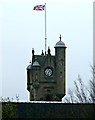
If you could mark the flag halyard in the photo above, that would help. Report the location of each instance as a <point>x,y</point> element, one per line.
<point>39,7</point>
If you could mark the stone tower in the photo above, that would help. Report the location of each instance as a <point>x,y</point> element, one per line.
<point>46,75</point>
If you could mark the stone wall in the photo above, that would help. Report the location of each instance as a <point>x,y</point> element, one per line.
<point>48,110</point>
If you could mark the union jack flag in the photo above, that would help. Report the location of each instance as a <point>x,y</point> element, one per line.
<point>39,7</point>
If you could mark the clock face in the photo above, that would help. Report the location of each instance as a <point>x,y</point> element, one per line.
<point>48,71</point>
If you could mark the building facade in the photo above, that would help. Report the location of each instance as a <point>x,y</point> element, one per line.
<point>46,75</point>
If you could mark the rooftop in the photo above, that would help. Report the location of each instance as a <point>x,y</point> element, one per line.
<point>60,43</point>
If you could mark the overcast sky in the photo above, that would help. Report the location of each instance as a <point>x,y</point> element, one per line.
<point>22,28</point>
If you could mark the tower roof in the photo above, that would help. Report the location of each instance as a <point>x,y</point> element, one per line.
<point>60,43</point>
<point>29,67</point>
<point>36,64</point>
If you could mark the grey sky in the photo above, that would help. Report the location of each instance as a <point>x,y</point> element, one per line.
<point>23,29</point>
<point>94,33</point>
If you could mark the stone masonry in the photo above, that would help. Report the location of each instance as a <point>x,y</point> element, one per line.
<point>46,74</point>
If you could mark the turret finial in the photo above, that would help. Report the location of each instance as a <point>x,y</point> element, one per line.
<point>48,50</point>
<point>42,53</point>
<point>33,51</point>
<point>60,37</point>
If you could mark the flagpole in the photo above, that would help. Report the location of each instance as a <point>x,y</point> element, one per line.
<point>45,31</point>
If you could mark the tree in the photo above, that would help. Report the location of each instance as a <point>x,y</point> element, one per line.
<point>92,85</point>
<point>82,93</point>
<point>9,110</point>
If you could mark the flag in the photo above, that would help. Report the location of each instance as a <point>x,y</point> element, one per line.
<point>39,7</point>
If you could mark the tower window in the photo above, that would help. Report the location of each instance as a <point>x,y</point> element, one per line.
<point>48,91</point>
<point>41,98</point>
<point>60,74</point>
<point>36,76</point>
<point>48,97</point>
<point>61,61</point>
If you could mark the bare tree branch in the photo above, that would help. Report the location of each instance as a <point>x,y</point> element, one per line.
<point>83,93</point>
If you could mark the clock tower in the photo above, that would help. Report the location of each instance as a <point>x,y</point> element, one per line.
<point>46,74</point>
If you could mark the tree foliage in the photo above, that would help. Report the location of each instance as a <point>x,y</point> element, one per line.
<point>9,110</point>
